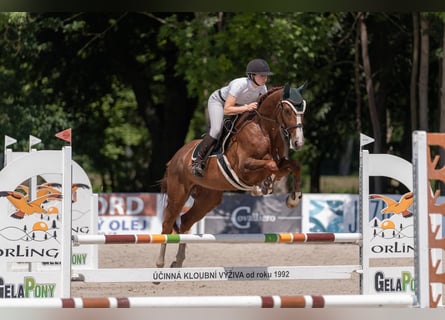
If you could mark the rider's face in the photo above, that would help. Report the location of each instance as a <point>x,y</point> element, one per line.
<point>260,79</point>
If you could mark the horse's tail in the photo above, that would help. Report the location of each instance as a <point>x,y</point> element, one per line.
<point>164,188</point>
<point>163,182</point>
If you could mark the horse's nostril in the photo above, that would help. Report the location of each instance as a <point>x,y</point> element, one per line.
<point>298,145</point>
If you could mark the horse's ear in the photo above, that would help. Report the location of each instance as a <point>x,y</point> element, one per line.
<point>286,91</point>
<point>302,87</point>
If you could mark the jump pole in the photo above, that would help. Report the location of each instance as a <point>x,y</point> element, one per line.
<point>299,301</point>
<point>218,238</point>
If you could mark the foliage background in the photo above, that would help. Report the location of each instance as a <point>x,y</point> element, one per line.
<point>133,86</point>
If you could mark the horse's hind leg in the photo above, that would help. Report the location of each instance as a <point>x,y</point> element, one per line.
<point>180,256</point>
<point>204,201</point>
<point>160,261</point>
<point>175,202</point>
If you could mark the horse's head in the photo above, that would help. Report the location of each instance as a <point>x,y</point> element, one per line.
<point>293,106</point>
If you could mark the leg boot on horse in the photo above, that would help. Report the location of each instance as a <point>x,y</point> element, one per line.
<point>206,147</point>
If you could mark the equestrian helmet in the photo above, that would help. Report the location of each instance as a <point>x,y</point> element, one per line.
<point>258,66</point>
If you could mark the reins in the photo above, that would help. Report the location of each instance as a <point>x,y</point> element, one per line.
<point>278,108</point>
<point>264,117</point>
<point>274,119</point>
<point>284,131</point>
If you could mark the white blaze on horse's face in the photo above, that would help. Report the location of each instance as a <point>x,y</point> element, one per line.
<point>299,131</point>
<point>296,139</point>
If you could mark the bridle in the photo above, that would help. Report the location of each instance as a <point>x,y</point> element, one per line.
<point>298,113</point>
<point>298,110</point>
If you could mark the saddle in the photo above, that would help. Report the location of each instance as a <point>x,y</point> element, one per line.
<point>230,127</point>
<point>223,141</point>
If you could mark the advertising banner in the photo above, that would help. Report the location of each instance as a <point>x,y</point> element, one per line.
<point>132,213</point>
<point>244,213</point>
<point>128,213</point>
<point>335,213</point>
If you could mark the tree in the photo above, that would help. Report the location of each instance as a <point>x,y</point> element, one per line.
<point>134,86</point>
<point>369,84</point>
<point>423,72</point>
<point>415,72</point>
<point>441,17</point>
<point>90,61</point>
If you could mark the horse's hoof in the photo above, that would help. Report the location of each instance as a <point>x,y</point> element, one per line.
<point>293,200</point>
<point>256,191</point>
<point>176,264</point>
<point>156,283</point>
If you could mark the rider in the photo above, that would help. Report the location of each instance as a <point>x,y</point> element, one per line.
<point>239,96</point>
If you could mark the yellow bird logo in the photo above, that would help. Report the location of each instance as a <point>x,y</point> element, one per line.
<point>24,206</point>
<point>51,188</point>
<point>400,207</point>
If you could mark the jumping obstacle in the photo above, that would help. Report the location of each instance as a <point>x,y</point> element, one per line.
<point>371,164</point>
<point>429,217</point>
<point>218,273</point>
<point>33,247</point>
<point>372,248</point>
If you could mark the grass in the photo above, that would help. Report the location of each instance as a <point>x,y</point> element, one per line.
<point>335,184</point>
<point>339,184</point>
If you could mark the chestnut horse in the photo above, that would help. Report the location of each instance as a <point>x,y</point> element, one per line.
<point>255,155</point>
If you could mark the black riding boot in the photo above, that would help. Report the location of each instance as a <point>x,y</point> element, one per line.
<point>198,164</point>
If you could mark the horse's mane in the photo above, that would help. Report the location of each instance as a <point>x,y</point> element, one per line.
<point>268,93</point>
<point>245,117</point>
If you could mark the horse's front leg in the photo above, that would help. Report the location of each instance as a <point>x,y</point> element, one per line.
<point>295,194</point>
<point>265,187</point>
<point>253,164</point>
<point>267,184</point>
<point>294,199</point>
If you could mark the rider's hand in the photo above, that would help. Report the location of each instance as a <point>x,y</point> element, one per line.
<point>251,106</point>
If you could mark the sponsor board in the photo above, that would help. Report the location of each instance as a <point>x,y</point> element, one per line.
<point>244,213</point>
<point>133,213</point>
<point>391,233</point>
<point>20,285</point>
<point>129,213</point>
<point>336,213</point>
<point>392,280</point>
